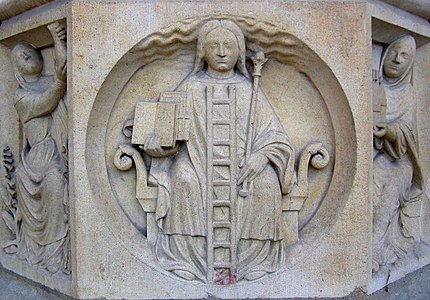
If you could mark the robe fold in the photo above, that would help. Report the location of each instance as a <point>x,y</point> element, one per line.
<point>41,180</point>
<point>182,202</point>
<point>398,179</point>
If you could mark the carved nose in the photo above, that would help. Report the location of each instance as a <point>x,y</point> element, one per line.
<point>398,59</point>
<point>221,50</point>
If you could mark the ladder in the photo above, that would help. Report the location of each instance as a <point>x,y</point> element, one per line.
<point>221,181</point>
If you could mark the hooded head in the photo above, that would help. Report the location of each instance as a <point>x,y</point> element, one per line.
<point>397,61</point>
<point>202,43</point>
<point>27,60</point>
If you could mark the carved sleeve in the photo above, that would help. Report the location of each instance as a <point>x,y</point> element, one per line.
<point>272,140</point>
<point>401,142</point>
<point>31,105</point>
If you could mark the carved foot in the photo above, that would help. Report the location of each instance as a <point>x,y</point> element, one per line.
<point>375,266</point>
<point>185,275</point>
<point>255,275</point>
<point>53,268</point>
<point>10,249</point>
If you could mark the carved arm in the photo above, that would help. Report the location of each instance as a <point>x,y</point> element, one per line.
<point>43,103</point>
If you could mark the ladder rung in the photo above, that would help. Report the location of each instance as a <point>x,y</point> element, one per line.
<point>221,162</point>
<point>220,101</point>
<point>218,203</point>
<point>221,224</point>
<point>221,142</point>
<point>220,122</point>
<point>221,182</point>
<point>221,265</point>
<point>223,244</point>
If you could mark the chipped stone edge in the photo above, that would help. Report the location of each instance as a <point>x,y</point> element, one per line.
<point>11,8</point>
<point>32,19</point>
<point>390,14</point>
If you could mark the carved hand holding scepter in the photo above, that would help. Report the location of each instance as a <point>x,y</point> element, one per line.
<point>252,166</point>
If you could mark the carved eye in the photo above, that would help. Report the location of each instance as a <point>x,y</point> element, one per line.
<point>25,55</point>
<point>404,55</point>
<point>392,54</point>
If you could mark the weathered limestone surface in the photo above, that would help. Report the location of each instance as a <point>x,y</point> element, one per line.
<point>215,149</point>
<point>418,7</point>
<point>389,24</point>
<point>11,8</point>
<point>305,258</point>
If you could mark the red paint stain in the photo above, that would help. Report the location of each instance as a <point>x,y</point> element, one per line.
<point>233,276</point>
<point>225,277</point>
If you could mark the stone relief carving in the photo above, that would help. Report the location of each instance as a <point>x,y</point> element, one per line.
<point>9,207</point>
<point>398,179</point>
<point>215,167</point>
<point>38,213</point>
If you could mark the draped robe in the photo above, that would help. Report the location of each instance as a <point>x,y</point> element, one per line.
<point>182,202</point>
<point>41,180</point>
<point>398,179</point>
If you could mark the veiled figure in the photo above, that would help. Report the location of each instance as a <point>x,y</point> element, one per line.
<point>41,174</point>
<point>219,93</point>
<point>398,180</point>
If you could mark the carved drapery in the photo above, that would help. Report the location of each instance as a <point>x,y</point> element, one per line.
<point>397,178</point>
<point>36,210</point>
<point>210,234</point>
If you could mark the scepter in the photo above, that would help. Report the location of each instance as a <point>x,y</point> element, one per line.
<point>258,61</point>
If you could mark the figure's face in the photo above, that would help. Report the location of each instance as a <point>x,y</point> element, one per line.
<point>221,50</point>
<point>28,60</point>
<point>397,60</point>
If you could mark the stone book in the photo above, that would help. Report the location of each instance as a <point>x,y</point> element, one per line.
<point>153,117</point>
<point>379,99</point>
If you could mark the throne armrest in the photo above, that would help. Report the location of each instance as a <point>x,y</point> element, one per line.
<point>146,195</point>
<point>317,156</point>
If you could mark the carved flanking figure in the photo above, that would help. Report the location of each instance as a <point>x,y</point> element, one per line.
<point>41,176</point>
<point>398,180</point>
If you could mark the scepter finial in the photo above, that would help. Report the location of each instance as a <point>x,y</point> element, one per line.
<point>258,59</point>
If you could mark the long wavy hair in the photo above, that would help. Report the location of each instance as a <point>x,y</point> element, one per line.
<point>200,62</point>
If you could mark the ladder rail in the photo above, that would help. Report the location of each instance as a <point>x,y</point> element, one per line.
<point>209,190</point>
<point>226,227</point>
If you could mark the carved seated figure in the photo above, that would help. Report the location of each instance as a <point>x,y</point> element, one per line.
<point>398,180</point>
<point>41,174</point>
<point>207,231</point>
